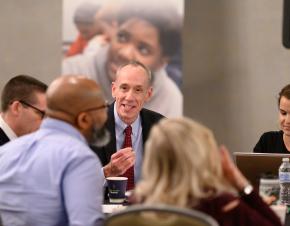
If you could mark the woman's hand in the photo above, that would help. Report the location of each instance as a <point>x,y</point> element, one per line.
<point>231,172</point>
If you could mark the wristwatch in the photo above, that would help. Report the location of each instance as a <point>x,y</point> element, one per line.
<point>247,190</point>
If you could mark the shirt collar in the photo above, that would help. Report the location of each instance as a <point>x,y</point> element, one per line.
<point>7,130</point>
<point>121,126</point>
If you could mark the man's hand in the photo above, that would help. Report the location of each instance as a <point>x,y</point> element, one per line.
<point>120,162</point>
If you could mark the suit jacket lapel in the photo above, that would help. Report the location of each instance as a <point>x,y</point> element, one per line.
<point>111,147</point>
<point>146,125</point>
<point>3,137</point>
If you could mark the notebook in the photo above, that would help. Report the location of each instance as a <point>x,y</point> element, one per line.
<point>255,165</point>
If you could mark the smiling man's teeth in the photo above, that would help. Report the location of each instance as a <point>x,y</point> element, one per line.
<point>127,107</point>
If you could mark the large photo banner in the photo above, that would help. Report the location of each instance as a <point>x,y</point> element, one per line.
<point>99,36</point>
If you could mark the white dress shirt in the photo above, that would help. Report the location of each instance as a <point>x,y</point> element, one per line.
<point>7,130</point>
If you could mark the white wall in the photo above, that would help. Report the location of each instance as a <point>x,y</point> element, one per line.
<point>30,40</point>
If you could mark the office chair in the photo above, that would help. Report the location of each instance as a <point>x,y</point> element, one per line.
<point>159,215</point>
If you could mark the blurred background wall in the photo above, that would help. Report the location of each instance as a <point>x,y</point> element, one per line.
<point>30,39</point>
<point>234,62</point>
<point>234,66</point>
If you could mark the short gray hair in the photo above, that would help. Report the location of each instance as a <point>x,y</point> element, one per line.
<point>136,63</point>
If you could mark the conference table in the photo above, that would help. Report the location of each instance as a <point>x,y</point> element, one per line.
<point>111,208</point>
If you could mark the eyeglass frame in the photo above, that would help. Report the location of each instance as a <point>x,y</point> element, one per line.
<point>105,105</point>
<point>41,112</point>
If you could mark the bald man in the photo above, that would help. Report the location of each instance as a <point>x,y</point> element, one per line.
<point>51,177</point>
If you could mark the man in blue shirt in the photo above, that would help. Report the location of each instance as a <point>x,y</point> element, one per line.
<point>51,177</point>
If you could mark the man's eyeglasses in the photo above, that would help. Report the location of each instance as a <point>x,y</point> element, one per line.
<point>106,105</point>
<point>40,112</point>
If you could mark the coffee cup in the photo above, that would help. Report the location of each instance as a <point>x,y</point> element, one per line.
<point>117,189</point>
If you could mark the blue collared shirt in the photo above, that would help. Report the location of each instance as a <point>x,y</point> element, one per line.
<point>137,141</point>
<point>50,177</point>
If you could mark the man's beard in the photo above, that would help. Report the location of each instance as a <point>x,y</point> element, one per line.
<point>100,137</point>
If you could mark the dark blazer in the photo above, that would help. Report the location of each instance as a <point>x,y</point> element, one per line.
<point>3,137</point>
<point>148,119</point>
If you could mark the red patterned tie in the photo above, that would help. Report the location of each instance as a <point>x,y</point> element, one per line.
<point>130,172</point>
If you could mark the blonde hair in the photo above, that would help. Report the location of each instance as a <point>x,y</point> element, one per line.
<point>181,165</point>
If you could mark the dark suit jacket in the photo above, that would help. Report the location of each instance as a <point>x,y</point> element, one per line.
<point>148,119</point>
<point>3,137</point>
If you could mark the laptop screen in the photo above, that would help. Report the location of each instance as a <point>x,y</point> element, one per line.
<point>256,165</point>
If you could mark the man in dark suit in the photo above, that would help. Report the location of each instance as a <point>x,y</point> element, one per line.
<point>131,89</point>
<point>23,106</point>
<point>3,137</point>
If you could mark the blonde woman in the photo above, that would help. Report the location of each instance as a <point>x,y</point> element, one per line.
<point>183,166</point>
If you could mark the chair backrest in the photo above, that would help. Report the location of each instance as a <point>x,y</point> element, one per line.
<point>159,215</point>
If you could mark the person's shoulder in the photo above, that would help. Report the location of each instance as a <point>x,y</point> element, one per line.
<point>225,197</point>
<point>68,148</point>
<point>272,134</point>
<point>218,202</point>
<point>174,90</point>
<point>61,137</point>
<point>165,83</point>
<point>151,114</point>
<point>74,58</point>
<point>79,58</point>
<point>17,145</point>
<point>78,64</point>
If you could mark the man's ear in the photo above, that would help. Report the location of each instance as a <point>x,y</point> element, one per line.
<point>149,93</point>
<point>15,107</point>
<point>83,121</point>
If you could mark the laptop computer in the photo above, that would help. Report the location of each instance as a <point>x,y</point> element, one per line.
<point>256,165</point>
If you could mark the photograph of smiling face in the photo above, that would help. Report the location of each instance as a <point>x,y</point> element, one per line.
<point>136,39</point>
<point>131,90</point>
